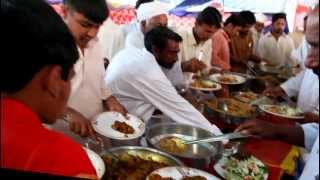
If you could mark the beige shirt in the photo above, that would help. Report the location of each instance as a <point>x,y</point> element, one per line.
<point>88,87</point>
<point>190,49</point>
<point>276,52</point>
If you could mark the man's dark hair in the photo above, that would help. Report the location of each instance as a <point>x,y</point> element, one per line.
<point>249,17</point>
<point>235,20</point>
<point>139,2</point>
<point>95,10</point>
<point>210,16</point>
<point>35,37</point>
<point>159,36</point>
<point>277,16</point>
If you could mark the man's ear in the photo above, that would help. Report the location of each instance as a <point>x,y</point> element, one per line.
<point>52,80</point>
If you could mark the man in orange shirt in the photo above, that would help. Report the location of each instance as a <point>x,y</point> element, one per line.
<point>36,89</point>
<point>242,43</point>
<point>221,43</point>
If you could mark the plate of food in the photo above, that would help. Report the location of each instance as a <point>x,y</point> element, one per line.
<point>237,167</point>
<point>228,79</point>
<point>115,126</point>
<point>246,97</point>
<point>284,111</point>
<point>180,173</point>
<point>96,161</point>
<point>205,85</point>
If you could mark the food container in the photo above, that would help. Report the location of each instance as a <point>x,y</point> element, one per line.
<point>197,155</point>
<point>212,110</point>
<point>143,153</point>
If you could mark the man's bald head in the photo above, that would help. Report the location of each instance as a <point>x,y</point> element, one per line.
<point>312,36</point>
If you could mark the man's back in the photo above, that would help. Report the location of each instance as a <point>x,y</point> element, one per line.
<point>27,145</point>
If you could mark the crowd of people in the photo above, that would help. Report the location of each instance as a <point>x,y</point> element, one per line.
<point>63,82</point>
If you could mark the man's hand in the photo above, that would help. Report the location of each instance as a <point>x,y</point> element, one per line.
<point>310,117</point>
<point>193,66</point>
<point>274,92</point>
<point>112,104</point>
<point>258,128</point>
<point>288,133</point>
<point>80,125</point>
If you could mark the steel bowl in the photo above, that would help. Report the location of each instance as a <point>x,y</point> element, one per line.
<point>197,155</point>
<point>227,117</point>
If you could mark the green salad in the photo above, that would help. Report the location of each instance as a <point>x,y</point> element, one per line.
<point>248,169</point>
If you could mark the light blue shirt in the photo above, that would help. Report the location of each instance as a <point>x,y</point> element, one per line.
<point>311,135</point>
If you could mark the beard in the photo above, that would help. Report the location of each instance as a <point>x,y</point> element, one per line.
<point>278,31</point>
<point>165,65</point>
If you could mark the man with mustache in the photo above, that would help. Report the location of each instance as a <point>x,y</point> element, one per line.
<point>136,79</point>
<point>275,47</point>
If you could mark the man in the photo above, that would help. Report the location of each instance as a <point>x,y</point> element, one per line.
<point>89,95</point>
<point>308,134</point>
<point>145,88</point>
<point>221,43</point>
<point>242,43</point>
<point>39,94</point>
<point>257,31</point>
<point>275,47</point>
<point>197,42</point>
<point>149,15</point>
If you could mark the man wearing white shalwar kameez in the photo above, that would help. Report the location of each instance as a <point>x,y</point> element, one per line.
<point>137,80</point>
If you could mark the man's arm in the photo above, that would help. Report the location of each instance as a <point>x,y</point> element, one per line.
<point>79,124</point>
<point>164,97</point>
<point>290,134</point>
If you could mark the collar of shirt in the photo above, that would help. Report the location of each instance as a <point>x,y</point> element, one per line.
<point>192,39</point>
<point>269,34</point>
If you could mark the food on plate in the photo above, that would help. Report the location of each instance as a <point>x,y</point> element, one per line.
<point>172,145</point>
<point>235,108</point>
<point>198,83</point>
<point>122,127</point>
<point>194,178</point>
<point>227,79</point>
<point>248,168</point>
<point>158,177</point>
<point>247,97</point>
<point>130,167</point>
<point>284,110</point>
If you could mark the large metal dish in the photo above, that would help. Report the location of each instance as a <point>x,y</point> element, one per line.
<point>197,155</point>
<point>228,118</point>
<point>143,153</point>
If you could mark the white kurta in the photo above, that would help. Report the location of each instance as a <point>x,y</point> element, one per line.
<point>88,85</point>
<point>301,53</point>
<point>305,86</point>
<point>138,82</point>
<point>311,135</point>
<point>276,52</point>
<point>112,38</point>
<point>190,49</point>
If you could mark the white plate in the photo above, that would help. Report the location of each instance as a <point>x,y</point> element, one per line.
<point>217,88</point>
<point>240,79</point>
<point>218,167</point>
<point>103,125</point>
<point>96,161</point>
<point>172,172</point>
<point>265,109</point>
